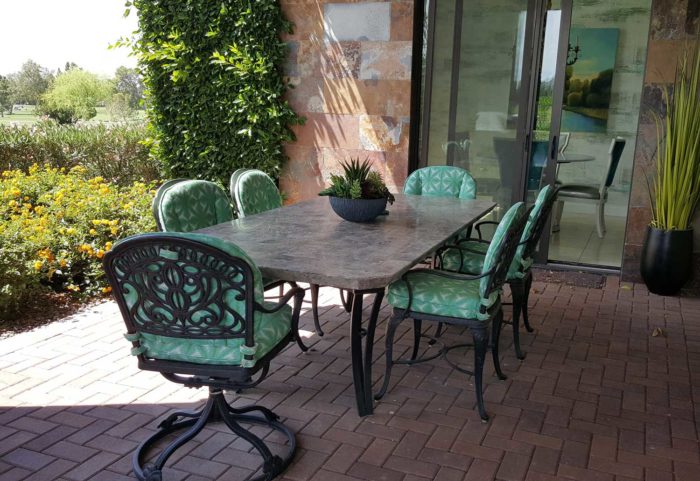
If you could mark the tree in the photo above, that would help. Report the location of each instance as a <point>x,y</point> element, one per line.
<point>30,83</point>
<point>6,102</point>
<point>74,95</point>
<point>119,107</point>
<point>128,81</point>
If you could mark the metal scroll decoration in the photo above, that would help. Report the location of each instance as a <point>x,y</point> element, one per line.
<point>183,289</point>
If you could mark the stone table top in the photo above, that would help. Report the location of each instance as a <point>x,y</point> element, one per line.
<point>308,242</point>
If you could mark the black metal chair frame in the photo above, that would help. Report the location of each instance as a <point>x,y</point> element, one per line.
<point>126,257</point>
<point>520,287</point>
<point>479,328</point>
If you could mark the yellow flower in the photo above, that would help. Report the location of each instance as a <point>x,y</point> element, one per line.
<point>93,232</point>
<point>37,265</point>
<point>63,263</point>
<point>71,230</point>
<point>108,246</point>
<point>73,287</point>
<point>114,230</point>
<point>99,253</point>
<point>106,290</point>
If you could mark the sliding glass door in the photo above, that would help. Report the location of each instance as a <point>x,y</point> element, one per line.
<point>477,91</point>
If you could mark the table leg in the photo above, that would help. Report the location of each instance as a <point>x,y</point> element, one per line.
<point>362,364</point>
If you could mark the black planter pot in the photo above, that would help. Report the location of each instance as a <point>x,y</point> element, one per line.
<point>667,260</point>
<point>358,210</point>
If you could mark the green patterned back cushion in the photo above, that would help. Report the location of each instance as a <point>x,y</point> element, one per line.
<point>441,181</point>
<point>193,204</point>
<point>255,192</point>
<point>531,221</point>
<point>495,247</point>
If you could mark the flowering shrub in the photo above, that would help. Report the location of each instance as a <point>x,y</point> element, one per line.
<point>119,153</point>
<point>56,225</point>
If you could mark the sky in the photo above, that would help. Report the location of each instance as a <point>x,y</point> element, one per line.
<point>53,32</point>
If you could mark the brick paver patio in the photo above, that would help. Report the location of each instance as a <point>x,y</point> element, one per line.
<point>598,398</point>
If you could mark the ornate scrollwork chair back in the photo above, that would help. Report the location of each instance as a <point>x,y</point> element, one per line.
<point>194,310</point>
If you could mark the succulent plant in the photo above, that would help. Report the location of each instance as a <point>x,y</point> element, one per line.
<point>358,182</point>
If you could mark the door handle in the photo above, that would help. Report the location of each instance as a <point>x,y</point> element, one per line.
<point>554,148</point>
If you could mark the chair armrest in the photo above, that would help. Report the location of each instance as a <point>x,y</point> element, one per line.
<point>472,239</point>
<point>447,274</point>
<point>478,225</point>
<point>283,301</point>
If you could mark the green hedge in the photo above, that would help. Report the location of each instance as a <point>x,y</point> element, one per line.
<point>215,87</point>
<point>119,153</point>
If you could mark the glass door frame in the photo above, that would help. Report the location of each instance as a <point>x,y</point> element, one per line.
<point>424,17</point>
<point>421,90</point>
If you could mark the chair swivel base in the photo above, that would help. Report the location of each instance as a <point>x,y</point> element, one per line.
<point>216,409</point>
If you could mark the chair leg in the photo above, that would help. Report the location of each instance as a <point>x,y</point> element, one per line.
<point>389,342</point>
<point>314,308</point>
<point>216,409</point>
<point>481,340</point>
<point>526,291</point>
<point>516,289</point>
<point>417,330</point>
<point>495,337</point>
<point>600,224</point>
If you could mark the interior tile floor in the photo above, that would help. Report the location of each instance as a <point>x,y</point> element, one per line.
<point>598,398</point>
<point>577,240</point>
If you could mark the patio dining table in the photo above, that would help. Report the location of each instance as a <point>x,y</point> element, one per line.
<point>308,242</point>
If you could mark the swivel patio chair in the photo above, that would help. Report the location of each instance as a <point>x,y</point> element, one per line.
<point>253,192</point>
<point>194,311</point>
<point>473,301</point>
<point>597,194</point>
<point>468,257</point>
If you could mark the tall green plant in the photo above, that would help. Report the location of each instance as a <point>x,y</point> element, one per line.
<point>676,190</point>
<point>212,72</point>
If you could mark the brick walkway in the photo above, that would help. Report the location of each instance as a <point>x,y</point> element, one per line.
<point>597,399</point>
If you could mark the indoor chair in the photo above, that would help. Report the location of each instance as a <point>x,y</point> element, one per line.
<point>473,301</point>
<point>194,311</point>
<point>253,192</point>
<point>594,193</point>
<point>468,257</point>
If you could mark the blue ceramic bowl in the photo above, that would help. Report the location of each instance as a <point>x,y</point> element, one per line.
<point>358,210</point>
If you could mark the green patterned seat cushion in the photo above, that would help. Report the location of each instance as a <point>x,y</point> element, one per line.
<point>439,296</point>
<point>441,181</point>
<point>270,329</point>
<point>193,204</point>
<point>255,192</point>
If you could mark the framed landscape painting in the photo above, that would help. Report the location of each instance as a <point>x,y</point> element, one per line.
<point>589,77</point>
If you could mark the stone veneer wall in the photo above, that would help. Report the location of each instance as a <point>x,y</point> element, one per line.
<point>673,23</point>
<point>350,63</point>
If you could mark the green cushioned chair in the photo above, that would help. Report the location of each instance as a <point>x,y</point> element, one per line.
<point>194,311</point>
<point>468,257</point>
<point>473,301</point>
<point>442,181</point>
<point>254,192</point>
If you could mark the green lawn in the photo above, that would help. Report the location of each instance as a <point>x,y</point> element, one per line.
<point>26,116</point>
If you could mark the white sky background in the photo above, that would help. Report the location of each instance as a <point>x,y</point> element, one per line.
<point>53,32</point>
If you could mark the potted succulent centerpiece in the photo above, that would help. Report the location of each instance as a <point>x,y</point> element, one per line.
<point>360,194</point>
<point>668,247</point>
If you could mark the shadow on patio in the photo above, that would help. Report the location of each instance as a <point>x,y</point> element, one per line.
<point>597,398</point>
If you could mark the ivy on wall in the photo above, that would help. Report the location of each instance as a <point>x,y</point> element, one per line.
<point>212,71</point>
